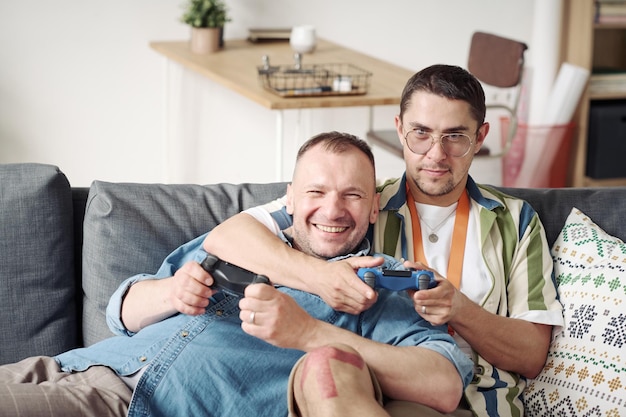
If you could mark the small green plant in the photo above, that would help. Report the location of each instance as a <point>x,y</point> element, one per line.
<point>205,13</point>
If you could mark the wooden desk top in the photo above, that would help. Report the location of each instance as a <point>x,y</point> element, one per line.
<point>235,67</point>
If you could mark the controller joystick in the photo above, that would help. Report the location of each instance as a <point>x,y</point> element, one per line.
<point>423,281</point>
<point>397,280</point>
<point>230,278</point>
<point>370,278</point>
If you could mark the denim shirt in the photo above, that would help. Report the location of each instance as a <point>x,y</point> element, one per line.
<point>207,365</point>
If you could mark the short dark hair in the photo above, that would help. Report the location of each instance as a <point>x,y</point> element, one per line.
<point>449,81</point>
<point>337,142</point>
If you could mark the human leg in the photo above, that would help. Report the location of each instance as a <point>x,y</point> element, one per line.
<point>334,381</point>
<point>37,387</point>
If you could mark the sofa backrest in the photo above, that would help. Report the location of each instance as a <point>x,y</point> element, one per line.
<point>601,205</point>
<point>37,280</point>
<point>131,228</point>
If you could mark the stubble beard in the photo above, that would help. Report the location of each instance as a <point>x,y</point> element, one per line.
<point>436,190</point>
<point>304,244</point>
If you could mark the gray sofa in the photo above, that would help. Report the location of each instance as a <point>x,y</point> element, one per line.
<point>64,250</point>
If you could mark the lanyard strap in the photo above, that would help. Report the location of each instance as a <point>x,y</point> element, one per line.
<point>459,236</point>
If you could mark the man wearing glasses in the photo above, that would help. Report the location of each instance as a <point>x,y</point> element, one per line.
<point>488,249</point>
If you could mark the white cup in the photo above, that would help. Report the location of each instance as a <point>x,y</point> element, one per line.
<point>303,39</point>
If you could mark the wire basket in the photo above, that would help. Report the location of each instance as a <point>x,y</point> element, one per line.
<point>314,80</point>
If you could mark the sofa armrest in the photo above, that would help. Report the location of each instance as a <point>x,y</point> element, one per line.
<point>37,282</point>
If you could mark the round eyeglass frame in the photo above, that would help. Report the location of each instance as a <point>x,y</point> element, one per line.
<point>440,140</point>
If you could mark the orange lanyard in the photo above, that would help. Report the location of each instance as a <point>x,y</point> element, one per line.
<point>459,236</point>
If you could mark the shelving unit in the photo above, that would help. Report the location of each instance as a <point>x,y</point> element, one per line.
<point>590,45</point>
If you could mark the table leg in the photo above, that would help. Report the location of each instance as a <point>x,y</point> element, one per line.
<point>279,145</point>
<point>165,121</point>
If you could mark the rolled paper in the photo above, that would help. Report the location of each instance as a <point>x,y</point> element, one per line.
<point>543,143</point>
<point>545,48</point>
<point>565,95</point>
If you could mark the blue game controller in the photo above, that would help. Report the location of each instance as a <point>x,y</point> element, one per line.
<point>397,280</point>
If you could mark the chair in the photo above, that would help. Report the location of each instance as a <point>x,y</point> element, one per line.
<point>498,63</point>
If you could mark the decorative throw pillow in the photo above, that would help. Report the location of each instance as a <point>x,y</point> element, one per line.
<point>585,373</point>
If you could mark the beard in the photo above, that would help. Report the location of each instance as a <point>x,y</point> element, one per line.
<point>330,248</point>
<point>433,190</point>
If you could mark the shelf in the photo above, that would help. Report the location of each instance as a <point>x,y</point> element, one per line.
<point>619,95</point>
<point>591,45</point>
<point>607,85</point>
<point>613,25</point>
<point>606,182</point>
<point>610,15</point>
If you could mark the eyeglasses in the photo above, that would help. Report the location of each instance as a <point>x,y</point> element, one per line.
<point>453,144</point>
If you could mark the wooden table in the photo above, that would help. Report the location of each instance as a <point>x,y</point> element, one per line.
<point>235,67</point>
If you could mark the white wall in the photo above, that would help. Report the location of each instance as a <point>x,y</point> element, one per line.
<point>80,87</point>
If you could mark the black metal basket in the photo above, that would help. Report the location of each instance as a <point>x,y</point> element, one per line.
<point>314,80</point>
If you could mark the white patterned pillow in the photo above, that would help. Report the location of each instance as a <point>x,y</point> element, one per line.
<point>585,373</point>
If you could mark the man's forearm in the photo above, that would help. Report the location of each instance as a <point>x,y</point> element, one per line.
<point>145,303</point>
<point>507,343</point>
<point>245,242</point>
<point>259,250</point>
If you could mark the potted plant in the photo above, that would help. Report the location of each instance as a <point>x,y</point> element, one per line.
<point>207,19</point>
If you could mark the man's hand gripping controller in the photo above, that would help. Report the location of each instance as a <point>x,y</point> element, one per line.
<point>230,278</point>
<point>397,280</point>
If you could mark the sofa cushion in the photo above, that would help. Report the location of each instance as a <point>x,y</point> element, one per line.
<point>585,373</point>
<point>131,228</point>
<point>37,285</point>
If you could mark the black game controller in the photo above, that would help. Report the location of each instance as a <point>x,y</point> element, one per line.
<point>397,280</point>
<point>230,278</point>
